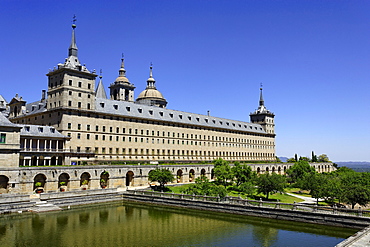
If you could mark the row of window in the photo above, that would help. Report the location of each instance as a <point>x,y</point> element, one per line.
<point>168,152</point>
<point>70,83</point>
<point>173,135</point>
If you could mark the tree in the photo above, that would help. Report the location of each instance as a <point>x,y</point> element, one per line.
<point>202,186</point>
<point>323,158</point>
<point>291,160</point>
<point>303,158</point>
<point>357,188</point>
<point>296,157</point>
<point>314,182</point>
<point>268,183</point>
<point>247,188</point>
<point>242,173</point>
<point>162,176</point>
<point>313,157</point>
<point>298,170</point>
<point>278,160</point>
<point>222,172</point>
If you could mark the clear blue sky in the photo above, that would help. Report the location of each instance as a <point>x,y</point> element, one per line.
<point>313,58</point>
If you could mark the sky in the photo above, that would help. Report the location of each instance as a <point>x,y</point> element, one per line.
<point>312,58</point>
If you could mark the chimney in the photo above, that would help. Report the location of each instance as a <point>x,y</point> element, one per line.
<point>43,94</point>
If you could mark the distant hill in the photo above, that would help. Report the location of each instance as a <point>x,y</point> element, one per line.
<point>358,166</point>
<point>283,159</point>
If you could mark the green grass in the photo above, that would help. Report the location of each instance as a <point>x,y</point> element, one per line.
<point>274,197</point>
<point>298,191</point>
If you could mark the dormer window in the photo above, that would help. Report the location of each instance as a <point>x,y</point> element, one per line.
<point>189,118</point>
<point>41,129</point>
<point>161,113</point>
<point>115,107</point>
<point>171,115</point>
<point>102,104</point>
<point>140,110</point>
<point>206,119</point>
<point>128,108</point>
<point>151,112</point>
<point>27,128</point>
<point>52,130</point>
<point>197,119</point>
<point>180,116</point>
<point>214,121</point>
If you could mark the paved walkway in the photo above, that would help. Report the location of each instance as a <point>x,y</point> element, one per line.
<point>307,200</point>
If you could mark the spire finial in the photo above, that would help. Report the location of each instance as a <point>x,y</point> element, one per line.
<point>122,71</point>
<point>74,22</point>
<point>101,74</point>
<point>151,70</point>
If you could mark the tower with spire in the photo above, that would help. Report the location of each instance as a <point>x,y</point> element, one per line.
<point>71,84</point>
<point>151,96</point>
<point>121,89</point>
<point>263,116</point>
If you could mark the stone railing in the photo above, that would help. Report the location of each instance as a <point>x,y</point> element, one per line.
<point>259,203</point>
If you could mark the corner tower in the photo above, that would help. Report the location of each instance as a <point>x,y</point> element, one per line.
<point>121,89</point>
<point>71,84</point>
<point>263,116</point>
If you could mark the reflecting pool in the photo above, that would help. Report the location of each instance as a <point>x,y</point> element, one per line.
<point>130,224</point>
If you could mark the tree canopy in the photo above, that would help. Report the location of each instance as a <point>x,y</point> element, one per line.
<point>268,183</point>
<point>298,170</point>
<point>162,176</point>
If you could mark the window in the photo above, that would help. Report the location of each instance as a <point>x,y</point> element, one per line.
<point>79,94</point>
<point>88,136</point>
<point>78,136</point>
<point>103,128</point>
<point>97,128</point>
<point>69,103</point>
<point>88,127</point>
<point>69,126</point>
<point>88,106</point>
<point>70,92</point>
<point>89,86</point>
<point>79,104</point>
<point>70,82</point>
<point>79,84</point>
<point>79,126</point>
<point>2,138</point>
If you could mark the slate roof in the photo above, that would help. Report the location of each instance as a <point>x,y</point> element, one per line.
<point>4,122</point>
<point>40,131</point>
<point>130,109</point>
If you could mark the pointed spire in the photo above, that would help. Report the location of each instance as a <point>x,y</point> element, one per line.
<point>262,102</point>
<point>72,51</point>
<point>100,91</point>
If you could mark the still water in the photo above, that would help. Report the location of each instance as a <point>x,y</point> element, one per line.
<point>128,224</point>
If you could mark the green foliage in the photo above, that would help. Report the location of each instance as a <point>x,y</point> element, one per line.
<point>162,176</point>
<point>291,160</point>
<point>298,170</point>
<point>222,172</point>
<point>247,188</point>
<point>278,160</point>
<point>242,173</point>
<point>313,157</point>
<point>304,159</point>
<point>85,182</point>
<point>38,184</point>
<point>62,183</point>
<point>323,158</point>
<point>267,183</point>
<point>202,186</point>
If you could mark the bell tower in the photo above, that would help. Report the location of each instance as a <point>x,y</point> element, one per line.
<point>71,85</point>
<point>263,116</point>
<point>121,89</point>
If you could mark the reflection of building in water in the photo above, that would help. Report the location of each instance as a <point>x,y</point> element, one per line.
<point>265,235</point>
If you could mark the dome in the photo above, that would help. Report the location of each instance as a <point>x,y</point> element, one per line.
<point>150,93</point>
<point>122,79</point>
